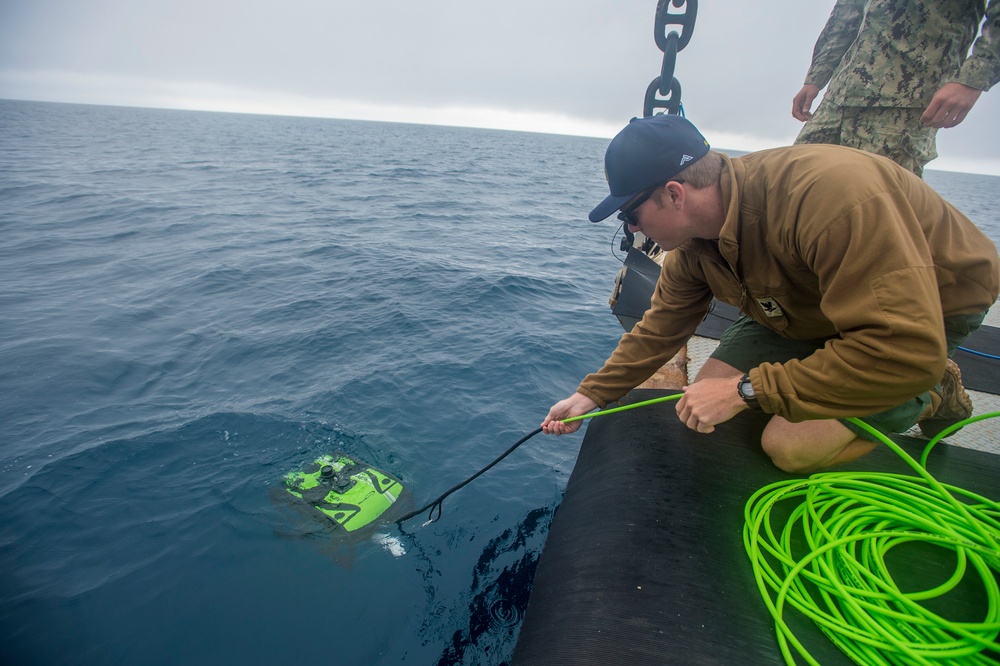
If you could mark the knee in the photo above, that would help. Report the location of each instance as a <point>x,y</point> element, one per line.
<point>803,448</point>
<point>782,454</point>
<point>785,454</point>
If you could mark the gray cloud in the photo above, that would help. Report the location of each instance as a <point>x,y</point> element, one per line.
<point>589,59</point>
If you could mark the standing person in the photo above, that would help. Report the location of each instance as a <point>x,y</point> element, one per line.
<point>897,71</point>
<point>855,280</point>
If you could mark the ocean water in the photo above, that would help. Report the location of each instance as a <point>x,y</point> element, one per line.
<point>194,304</point>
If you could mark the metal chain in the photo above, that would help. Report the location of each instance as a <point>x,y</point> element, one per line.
<point>664,92</point>
<point>665,84</point>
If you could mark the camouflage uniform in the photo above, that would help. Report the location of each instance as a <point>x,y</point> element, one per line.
<point>885,59</point>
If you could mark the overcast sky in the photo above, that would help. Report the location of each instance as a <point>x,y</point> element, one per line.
<point>573,67</point>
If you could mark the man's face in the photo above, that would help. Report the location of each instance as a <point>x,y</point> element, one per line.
<point>661,217</point>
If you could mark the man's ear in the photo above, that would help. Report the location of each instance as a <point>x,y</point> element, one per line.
<point>676,192</point>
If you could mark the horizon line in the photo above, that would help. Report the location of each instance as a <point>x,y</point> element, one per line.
<point>458,116</point>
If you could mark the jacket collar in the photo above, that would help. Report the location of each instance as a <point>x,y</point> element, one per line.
<point>733,173</point>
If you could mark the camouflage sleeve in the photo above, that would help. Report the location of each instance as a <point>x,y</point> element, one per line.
<point>982,69</point>
<point>839,33</point>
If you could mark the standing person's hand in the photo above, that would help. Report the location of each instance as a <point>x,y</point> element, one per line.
<point>803,101</point>
<point>950,105</point>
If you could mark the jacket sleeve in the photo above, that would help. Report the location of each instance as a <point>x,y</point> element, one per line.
<point>837,36</point>
<point>880,291</point>
<point>982,69</point>
<point>677,308</point>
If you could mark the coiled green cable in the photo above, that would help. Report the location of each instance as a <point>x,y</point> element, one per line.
<point>843,524</point>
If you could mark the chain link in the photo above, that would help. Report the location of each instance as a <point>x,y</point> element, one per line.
<point>664,92</point>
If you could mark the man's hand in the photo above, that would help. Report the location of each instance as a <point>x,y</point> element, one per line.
<point>710,402</point>
<point>803,101</point>
<point>950,105</point>
<point>575,405</point>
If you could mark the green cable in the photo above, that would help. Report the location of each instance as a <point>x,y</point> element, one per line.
<point>435,507</point>
<point>843,524</point>
<point>624,408</point>
<point>849,522</point>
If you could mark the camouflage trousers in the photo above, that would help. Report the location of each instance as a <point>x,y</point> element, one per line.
<point>896,133</point>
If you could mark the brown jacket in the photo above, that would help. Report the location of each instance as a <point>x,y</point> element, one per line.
<point>821,241</point>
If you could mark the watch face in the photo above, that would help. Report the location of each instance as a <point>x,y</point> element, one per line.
<point>745,389</point>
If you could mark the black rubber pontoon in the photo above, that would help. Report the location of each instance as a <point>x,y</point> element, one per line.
<point>644,562</point>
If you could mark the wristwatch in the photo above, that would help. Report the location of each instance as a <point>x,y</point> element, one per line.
<point>745,389</point>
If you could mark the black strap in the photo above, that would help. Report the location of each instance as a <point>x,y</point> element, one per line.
<point>436,504</point>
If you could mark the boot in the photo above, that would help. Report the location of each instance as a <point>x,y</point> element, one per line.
<point>955,405</point>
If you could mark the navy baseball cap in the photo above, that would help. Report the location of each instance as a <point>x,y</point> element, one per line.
<point>647,153</point>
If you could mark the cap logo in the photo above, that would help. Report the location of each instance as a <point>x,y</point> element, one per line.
<point>685,159</point>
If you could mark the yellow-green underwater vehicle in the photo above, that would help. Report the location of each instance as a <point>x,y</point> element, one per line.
<point>350,493</point>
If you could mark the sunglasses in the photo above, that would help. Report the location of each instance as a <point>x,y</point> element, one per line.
<point>627,214</point>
